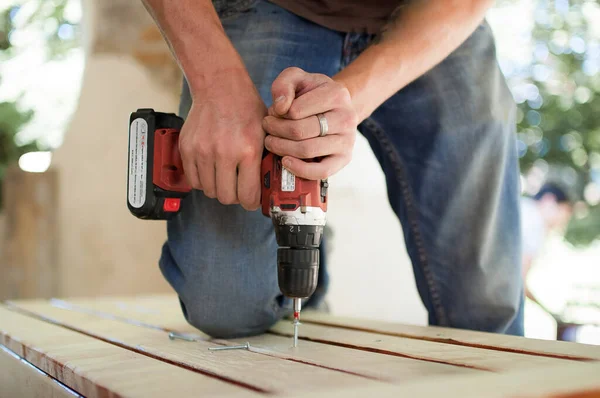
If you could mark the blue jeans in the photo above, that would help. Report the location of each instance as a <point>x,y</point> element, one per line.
<point>447,146</point>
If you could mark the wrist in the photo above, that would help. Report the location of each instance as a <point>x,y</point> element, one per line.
<point>356,95</point>
<point>211,81</point>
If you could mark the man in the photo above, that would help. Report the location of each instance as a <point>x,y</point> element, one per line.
<point>550,210</point>
<point>420,81</point>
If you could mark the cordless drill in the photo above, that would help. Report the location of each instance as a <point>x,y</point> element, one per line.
<point>156,185</point>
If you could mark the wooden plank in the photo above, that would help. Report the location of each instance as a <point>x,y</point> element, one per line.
<point>264,372</point>
<point>559,349</point>
<point>477,358</point>
<point>576,380</point>
<point>164,310</point>
<point>19,378</point>
<point>97,369</point>
<point>29,256</point>
<point>163,313</point>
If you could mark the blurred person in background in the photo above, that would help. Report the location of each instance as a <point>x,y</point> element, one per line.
<point>548,211</point>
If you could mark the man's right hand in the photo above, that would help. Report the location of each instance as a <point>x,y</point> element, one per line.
<point>222,139</point>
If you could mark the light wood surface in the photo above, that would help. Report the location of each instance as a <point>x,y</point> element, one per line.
<point>251,368</point>
<point>164,313</point>
<point>483,359</point>
<point>98,369</point>
<point>560,349</point>
<point>18,378</point>
<point>579,380</point>
<point>120,347</point>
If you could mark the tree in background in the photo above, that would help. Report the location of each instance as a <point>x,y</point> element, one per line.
<point>47,16</point>
<point>558,97</point>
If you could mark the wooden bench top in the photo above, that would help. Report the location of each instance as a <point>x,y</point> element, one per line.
<point>119,346</point>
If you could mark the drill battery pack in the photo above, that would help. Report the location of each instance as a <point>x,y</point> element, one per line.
<point>156,183</point>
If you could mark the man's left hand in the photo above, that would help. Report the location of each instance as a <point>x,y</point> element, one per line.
<point>293,126</point>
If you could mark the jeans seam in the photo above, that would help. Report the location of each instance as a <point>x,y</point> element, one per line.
<point>408,198</point>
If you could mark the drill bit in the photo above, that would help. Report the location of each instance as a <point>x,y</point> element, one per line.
<point>297,308</point>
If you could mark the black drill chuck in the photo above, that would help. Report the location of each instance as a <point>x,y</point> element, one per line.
<point>297,271</point>
<point>298,259</point>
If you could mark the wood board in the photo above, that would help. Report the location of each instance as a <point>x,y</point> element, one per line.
<point>20,378</point>
<point>100,335</point>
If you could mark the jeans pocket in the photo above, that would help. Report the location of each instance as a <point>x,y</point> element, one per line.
<point>227,9</point>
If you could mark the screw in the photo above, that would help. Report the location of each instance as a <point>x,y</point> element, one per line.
<point>178,336</point>
<point>231,347</point>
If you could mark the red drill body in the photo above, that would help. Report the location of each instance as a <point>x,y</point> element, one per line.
<point>297,207</point>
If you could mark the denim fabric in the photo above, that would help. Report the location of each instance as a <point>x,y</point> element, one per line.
<point>446,143</point>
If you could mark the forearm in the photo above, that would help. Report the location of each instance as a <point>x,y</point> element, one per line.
<point>194,33</point>
<point>417,37</point>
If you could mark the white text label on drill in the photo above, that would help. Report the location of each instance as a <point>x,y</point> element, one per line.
<point>288,180</point>
<point>138,158</point>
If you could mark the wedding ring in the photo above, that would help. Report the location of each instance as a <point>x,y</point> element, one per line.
<point>323,124</point>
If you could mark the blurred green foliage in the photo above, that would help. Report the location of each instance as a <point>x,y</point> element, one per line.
<point>558,96</point>
<point>11,120</point>
<point>49,18</point>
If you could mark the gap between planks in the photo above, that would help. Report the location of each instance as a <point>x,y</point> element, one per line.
<point>432,352</point>
<point>468,338</point>
<point>95,368</point>
<point>267,373</point>
<point>21,378</point>
<point>164,309</point>
<point>354,362</point>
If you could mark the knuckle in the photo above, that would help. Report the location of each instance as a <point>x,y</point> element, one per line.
<point>292,70</point>
<point>186,152</point>
<point>294,112</point>
<point>248,151</point>
<point>223,152</point>
<point>296,133</point>
<point>342,95</point>
<point>350,122</point>
<point>199,149</point>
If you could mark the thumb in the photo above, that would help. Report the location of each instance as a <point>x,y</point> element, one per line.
<point>290,83</point>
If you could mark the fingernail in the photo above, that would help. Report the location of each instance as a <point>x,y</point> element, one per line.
<point>278,99</point>
<point>287,162</point>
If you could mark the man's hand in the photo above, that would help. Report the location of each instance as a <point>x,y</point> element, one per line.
<point>222,140</point>
<point>294,128</point>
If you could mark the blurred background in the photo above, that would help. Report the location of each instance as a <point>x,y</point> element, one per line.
<point>71,71</point>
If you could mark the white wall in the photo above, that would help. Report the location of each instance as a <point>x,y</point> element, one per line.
<point>371,274</point>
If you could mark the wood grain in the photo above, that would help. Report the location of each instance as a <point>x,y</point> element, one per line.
<point>559,349</point>
<point>19,378</point>
<point>263,372</point>
<point>478,358</point>
<point>163,313</point>
<point>97,369</point>
<point>576,380</point>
